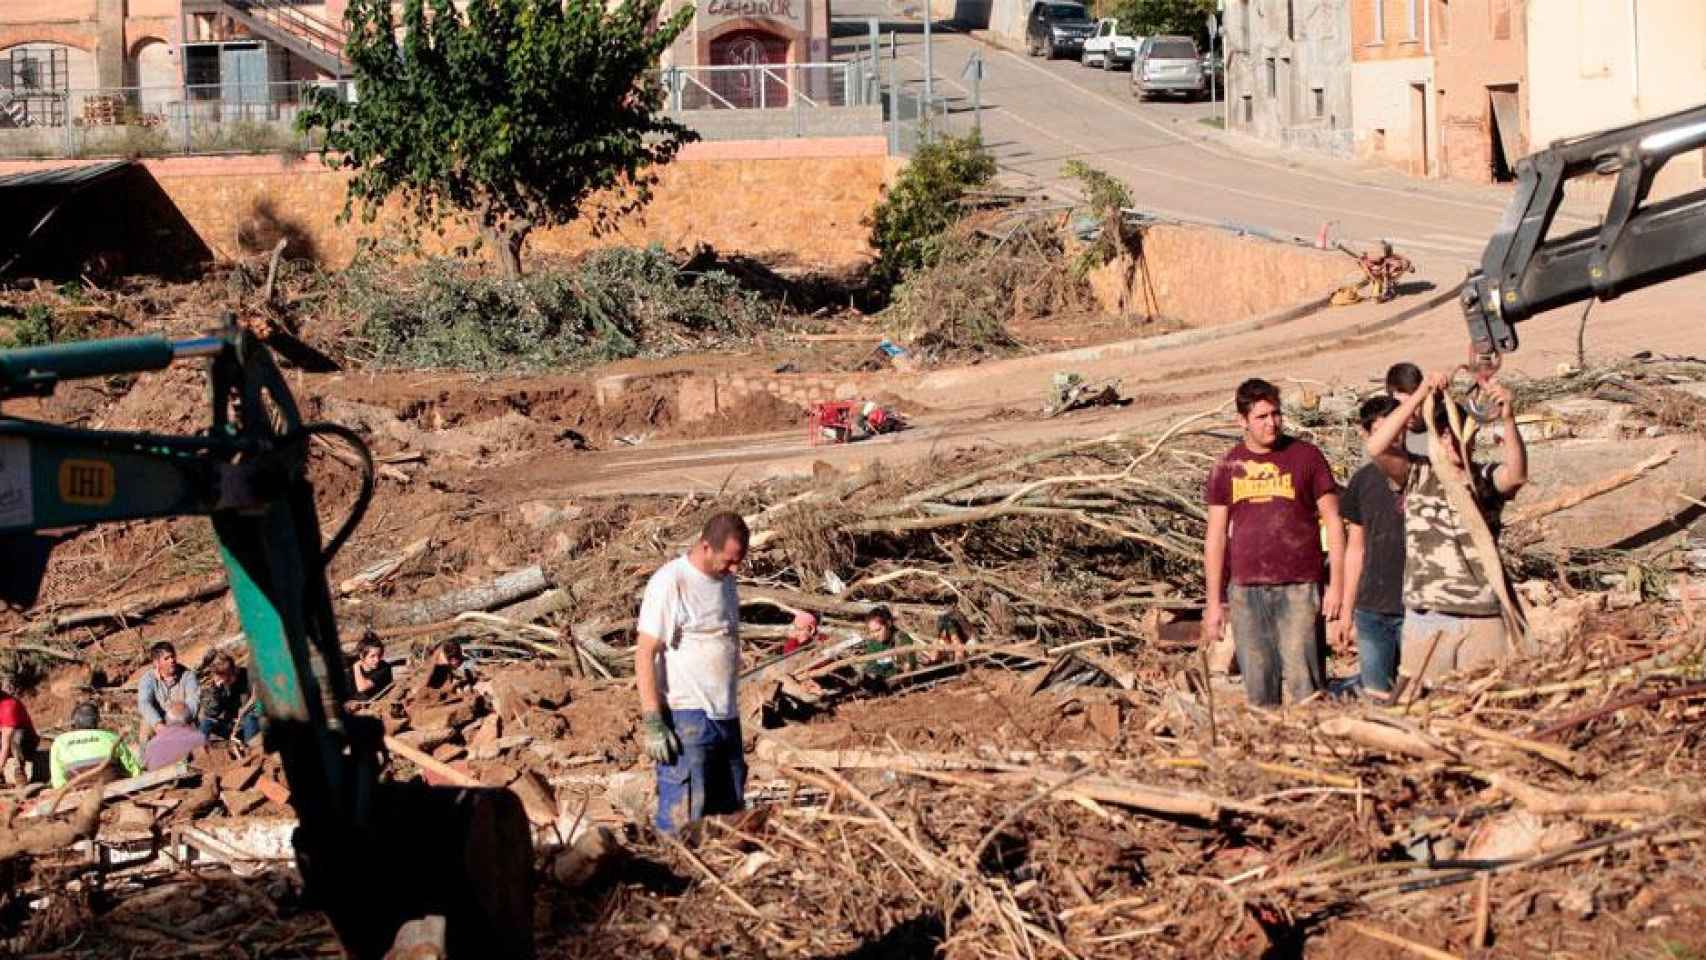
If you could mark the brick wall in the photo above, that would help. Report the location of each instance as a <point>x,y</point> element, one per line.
<point>804,199</point>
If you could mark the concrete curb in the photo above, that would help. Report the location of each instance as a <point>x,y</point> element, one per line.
<point>946,379</point>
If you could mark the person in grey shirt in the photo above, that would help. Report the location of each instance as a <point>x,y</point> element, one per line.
<point>167,683</point>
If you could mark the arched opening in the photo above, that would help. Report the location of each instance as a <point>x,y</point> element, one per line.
<point>153,71</point>
<point>763,82</point>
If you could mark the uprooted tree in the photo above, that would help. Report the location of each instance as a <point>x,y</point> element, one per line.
<point>509,113</point>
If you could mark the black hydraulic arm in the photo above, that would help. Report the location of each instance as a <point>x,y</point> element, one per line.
<point>1524,271</point>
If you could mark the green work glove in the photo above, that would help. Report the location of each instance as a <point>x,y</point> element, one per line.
<point>662,745</point>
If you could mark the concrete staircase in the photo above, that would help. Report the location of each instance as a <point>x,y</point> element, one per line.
<point>309,37</point>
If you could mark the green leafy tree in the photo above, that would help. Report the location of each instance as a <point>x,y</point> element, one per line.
<point>924,202</point>
<point>509,113</point>
<point>1143,18</point>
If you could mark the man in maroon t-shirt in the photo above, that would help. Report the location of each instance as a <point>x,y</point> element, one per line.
<point>1268,499</point>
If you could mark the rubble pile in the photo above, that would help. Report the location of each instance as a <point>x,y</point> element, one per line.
<point>1517,809</point>
<point>1077,782</point>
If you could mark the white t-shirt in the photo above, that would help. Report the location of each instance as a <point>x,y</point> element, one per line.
<point>697,619</point>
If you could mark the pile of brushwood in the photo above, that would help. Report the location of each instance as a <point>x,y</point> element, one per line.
<point>608,305</point>
<point>1531,808</point>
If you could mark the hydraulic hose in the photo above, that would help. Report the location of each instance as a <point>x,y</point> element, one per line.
<point>363,498</point>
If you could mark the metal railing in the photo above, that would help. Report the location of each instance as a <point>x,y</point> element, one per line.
<point>322,35</point>
<point>767,86</point>
<point>164,121</point>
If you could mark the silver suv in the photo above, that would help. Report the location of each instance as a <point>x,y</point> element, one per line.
<point>1168,65</point>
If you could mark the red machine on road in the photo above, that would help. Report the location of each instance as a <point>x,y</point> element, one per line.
<point>846,421</point>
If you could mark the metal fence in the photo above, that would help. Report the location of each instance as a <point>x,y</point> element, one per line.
<point>914,120</point>
<point>769,86</point>
<point>243,117</point>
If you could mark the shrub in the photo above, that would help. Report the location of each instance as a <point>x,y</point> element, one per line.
<point>907,225</point>
<point>37,326</point>
<point>615,303</point>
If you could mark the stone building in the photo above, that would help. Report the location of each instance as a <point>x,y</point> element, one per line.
<point>1394,108</point>
<point>1594,64</point>
<point>1288,75</point>
<point>773,36</point>
<point>64,61</point>
<point>1480,67</point>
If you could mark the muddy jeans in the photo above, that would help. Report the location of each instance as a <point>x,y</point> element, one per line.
<point>1274,627</point>
<point>1464,642</point>
<point>707,777</point>
<point>1378,637</point>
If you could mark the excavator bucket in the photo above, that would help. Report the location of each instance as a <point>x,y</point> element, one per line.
<point>464,855</point>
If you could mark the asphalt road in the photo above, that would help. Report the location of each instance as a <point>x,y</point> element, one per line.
<point>1037,114</point>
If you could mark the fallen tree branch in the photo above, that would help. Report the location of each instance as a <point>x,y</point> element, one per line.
<point>1641,700</point>
<point>1388,739</point>
<point>1578,495</point>
<point>140,609</point>
<point>376,573</point>
<point>49,837</point>
<point>508,588</point>
<point>1538,800</point>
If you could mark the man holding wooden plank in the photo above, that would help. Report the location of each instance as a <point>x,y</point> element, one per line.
<point>1460,611</point>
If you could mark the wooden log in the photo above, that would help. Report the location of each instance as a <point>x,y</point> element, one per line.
<point>139,609</point>
<point>1559,755</point>
<point>49,837</point>
<point>510,587</point>
<point>118,788</point>
<point>376,573</point>
<point>437,768</point>
<point>1419,949</point>
<point>537,608</point>
<point>1099,789</point>
<point>1539,800</point>
<point>1388,739</point>
<point>1579,495</point>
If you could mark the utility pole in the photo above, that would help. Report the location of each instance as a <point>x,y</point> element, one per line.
<point>929,73</point>
<point>1225,81</point>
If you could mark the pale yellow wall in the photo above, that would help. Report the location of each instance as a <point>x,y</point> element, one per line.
<point>1588,70</point>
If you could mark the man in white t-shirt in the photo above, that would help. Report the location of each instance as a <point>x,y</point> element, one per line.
<point>686,661</point>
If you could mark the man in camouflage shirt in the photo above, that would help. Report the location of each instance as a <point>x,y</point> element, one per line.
<point>1446,592</point>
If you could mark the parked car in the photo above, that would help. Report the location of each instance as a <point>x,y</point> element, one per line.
<point>1056,27</point>
<point>1108,47</point>
<point>1213,67</point>
<point>1168,65</point>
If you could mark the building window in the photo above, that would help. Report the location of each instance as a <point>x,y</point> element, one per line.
<point>1249,112</point>
<point>1414,22</point>
<point>1290,20</point>
<point>1379,21</point>
<point>1501,10</point>
<point>1320,96</point>
<point>1273,78</point>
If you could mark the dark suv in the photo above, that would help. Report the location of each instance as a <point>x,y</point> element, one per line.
<point>1056,28</point>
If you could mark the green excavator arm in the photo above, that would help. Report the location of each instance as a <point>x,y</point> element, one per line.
<point>373,855</point>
